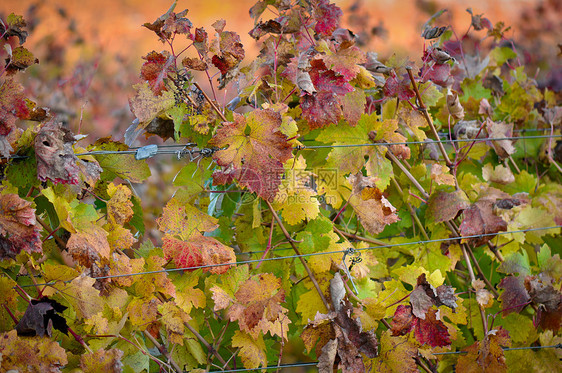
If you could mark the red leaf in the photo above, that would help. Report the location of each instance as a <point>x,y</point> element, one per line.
<point>438,74</point>
<point>231,52</point>
<point>403,320</point>
<point>198,251</point>
<point>321,109</point>
<point>156,69</point>
<point>18,229</point>
<point>432,331</point>
<point>327,80</point>
<point>398,88</point>
<point>12,105</point>
<point>327,17</point>
<point>515,296</point>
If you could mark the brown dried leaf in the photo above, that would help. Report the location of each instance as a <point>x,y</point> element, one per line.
<point>373,209</point>
<point>444,206</point>
<point>194,64</point>
<point>480,218</point>
<point>503,148</point>
<point>55,157</point>
<point>328,356</point>
<point>453,105</point>
<point>88,245</point>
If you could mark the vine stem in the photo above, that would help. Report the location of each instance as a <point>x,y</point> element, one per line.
<point>412,212</point>
<point>11,314</point>
<point>359,238</point>
<point>206,344</point>
<point>211,102</point>
<point>59,240</point>
<point>291,241</point>
<point>473,278</point>
<point>80,340</point>
<point>163,351</point>
<point>422,365</point>
<point>453,228</point>
<point>406,172</point>
<point>427,117</point>
<point>268,248</point>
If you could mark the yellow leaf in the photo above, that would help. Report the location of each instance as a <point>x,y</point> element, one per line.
<point>24,354</point>
<point>252,351</point>
<point>119,206</point>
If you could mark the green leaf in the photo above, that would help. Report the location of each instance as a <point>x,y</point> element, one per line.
<point>124,166</point>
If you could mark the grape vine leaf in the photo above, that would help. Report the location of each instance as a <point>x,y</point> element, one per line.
<point>19,353</point>
<point>14,26</point>
<point>199,251</point>
<point>102,361</point>
<point>88,245</point>
<point>184,221</point>
<point>12,106</point>
<point>256,306</point>
<point>230,51</point>
<point>124,166</point>
<point>146,105</point>
<point>18,227</point>
<point>487,355</point>
<point>514,297</point>
<point>430,330</point>
<point>443,206</point>
<point>548,299</point>
<point>351,160</point>
<point>255,152</point>
<point>397,354</point>
<point>40,317</point>
<point>296,200</point>
<point>55,157</point>
<point>252,349</point>
<point>480,218</point>
<point>156,69</point>
<point>170,23</point>
<point>327,17</point>
<point>373,209</point>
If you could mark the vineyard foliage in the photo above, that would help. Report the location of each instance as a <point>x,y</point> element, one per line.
<point>366,215</point>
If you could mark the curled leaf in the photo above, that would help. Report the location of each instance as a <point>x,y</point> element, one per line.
<point>55,157</point>
<point>453,105</point>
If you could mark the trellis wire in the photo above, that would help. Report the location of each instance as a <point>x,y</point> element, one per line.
<point>168,149</point>
<point>302,255</point>
<point>302,365</point>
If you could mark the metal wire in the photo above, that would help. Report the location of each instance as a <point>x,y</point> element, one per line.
<point>303,147</point>
<point>301,255</point>
<point>299,365</point>
<point>559,345</point>
<point>166,149</point>
<point>282,366</point>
